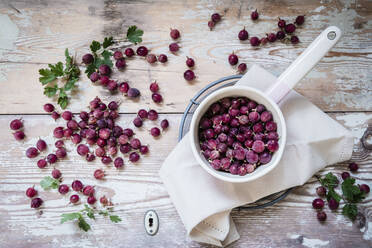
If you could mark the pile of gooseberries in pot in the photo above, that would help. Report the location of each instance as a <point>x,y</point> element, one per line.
<point>237,135</point>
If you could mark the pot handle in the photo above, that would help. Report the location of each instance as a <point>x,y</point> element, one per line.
<point>304,63</point>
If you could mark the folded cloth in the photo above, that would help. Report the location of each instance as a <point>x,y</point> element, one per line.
<point>204,202</point>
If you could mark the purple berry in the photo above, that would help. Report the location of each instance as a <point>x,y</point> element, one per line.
<point>142,113</point>
<point>120,63</point>
<point>48,107</point>
<point>190,62</point>
<point>113,105</point>
<point>31,192</point>
<point>19,135</point>
<point>280,35</point>
<point>82,150</point>
<point>353,167</point>
<point>243,34</point>
<point>91,200</point>
<point>74,199</point>
<point>254,15</point>
<point>175,34</point>
<point>142,51</point>
<point>281,23</point>
<point>189,75</point>
<point>345,175</point>
<point>99,174</point>
<point>364,188</point>
<point>32,152</point>
<point>271,37</point>
<point>333,204</point>
<point>88,190</point>
<point>322,216</point>
<point>42,163</point>
<point>137,122</point>
<point>255,41</point>
<point>263,41</point>
<point>162,58</point>
<point>321,191</point>
<point>56,173</point>
<point>94,77</point>
<point>104,70</point>
<point>90,157</point>
<point>41,145</point>
<point>133,93</point>
<point>129,52</point>
<point>52,158</point>
<point>124,87</point>
<point>294,39</point>
<point>164,124</point>
<point>151,58</point>
<point>36,202</point>
<point>233,59</point>
<point>258,146</point>
<point>156,97</point>
<point>58,132</point>
<point>118,162</point>
<point>129,132</point>
<point>211,25</point>
<point>290,28</point>
<point>88,59</point>
<point>242,67</point>
<point>318,203</point>
<point>216,17</point>
<point>300,20</point>
<point>144,149</point>
<point>174,47</point>
<point>155,132</point>
<point>63,189</point>
<point>61,152</point>
<point>77,185</point>
<point>112,85</point>
<point>16,124</point>
<point>234,169</point>
<point>134,157</point>
<point>272,145</point>
<point>118,55</point>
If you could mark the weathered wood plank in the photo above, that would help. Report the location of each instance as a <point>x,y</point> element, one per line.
<point>336,84</point>
<point>138,188</point>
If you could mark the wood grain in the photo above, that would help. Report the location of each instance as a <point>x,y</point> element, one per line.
<point>336,84</point>
<point>138,188</point>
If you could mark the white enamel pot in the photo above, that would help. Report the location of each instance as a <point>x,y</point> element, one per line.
<point>270,99</point>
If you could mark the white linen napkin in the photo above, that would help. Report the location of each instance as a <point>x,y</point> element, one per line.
<point>204,202</point>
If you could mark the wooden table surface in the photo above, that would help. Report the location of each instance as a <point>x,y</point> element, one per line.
<point>35,33</point>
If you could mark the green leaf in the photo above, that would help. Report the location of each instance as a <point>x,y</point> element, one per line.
<point>333,194</point>
<point>115,218</point>
<point>105,60</point>
<point>47,76</point>
<point>95,46</point>
<point>108,41</point>
<point>63,101</point>
<point>134,34</point>
<point>70,216</point>
<point>352,192</point>
<point>57,69</point>
<point>50,91</point>
<point>104,213</point>
<point>329,180</point>
<point>350,210</point>
<point>49,183</point>
<point>83,224</point>
<point>90,69</point>
<point>70,84</point>
<point>89,211</point>
<point>68,58</point>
